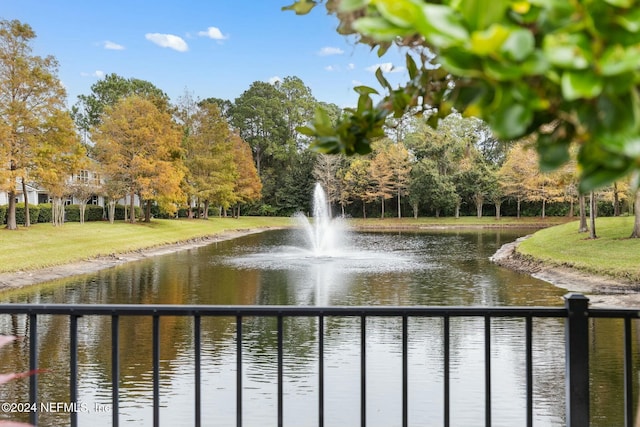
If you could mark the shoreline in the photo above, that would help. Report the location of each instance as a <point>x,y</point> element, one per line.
<point>602,291</point>
<point>21,279</point>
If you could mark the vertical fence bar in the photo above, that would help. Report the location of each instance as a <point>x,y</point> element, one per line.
<point>73,367</point>
<point>156,370</point>
<point>238,370</point>
<point>447,386</point>
<point>197,349</point>
<point>363,371</point>
<point>577,360</point>
<point>320,370</point>
<point>115,370</point>
<point>487,371</point>
<point>33,365</point>
<point>280,372</point>
<point>405,372</point>
<point>529,373</point>
<point>628,374</point>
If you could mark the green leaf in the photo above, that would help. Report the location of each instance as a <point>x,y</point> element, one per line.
<point>621,3</point>
<point>443,26</point>
<point>502,71</point>
<point>412,68</point>
<point>519,45</point>
<point>570,51</point>
<point>511,120</point>
<point>489,41</point>
<point>301,7</point>
<point>619,60</point>
<point>630,20</point>
<point>480,14</point>
<point>383,82</point>
<point>460,62</point>
<point>365,90</point>
<point>580,84</point>
<point>379,28</point>
<point>351,5</point>
<point>403,13</point>
<point>552,153</point>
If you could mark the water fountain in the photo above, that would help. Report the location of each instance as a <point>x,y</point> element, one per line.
<point>322,231</point>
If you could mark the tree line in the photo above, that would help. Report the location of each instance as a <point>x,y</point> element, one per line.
<point>250,153</point>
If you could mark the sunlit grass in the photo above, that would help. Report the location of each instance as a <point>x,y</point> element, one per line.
<point>43,245</point>
<point>486,221</point>
<point>612,253</point>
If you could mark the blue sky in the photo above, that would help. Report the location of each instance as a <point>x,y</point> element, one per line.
<point>211,48</point>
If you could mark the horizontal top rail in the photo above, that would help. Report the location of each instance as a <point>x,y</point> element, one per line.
<point>280,310</point>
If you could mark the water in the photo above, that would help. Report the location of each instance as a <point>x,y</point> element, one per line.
<point>416,268</point>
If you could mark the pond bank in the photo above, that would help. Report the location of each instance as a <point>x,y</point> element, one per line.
<point>602,291</point>
<point>19,279</point>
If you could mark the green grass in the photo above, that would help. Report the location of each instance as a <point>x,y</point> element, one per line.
<point>611,254</point>
<point>43,245</point>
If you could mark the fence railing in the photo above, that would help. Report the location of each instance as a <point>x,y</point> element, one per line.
<point>575,312</point>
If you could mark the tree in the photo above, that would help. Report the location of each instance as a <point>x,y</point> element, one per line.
<point>31,105</point>
<point>562,72</point>
<point>248,186</point>
<point>139,146</point>
<point>299,105</point>
<point>58,155</point>
<point>258,116</point>
<point>326,171</point>
<point>88,111</point>
<point>357,180</point>
<point>381,184</point>
<point>208,149</point>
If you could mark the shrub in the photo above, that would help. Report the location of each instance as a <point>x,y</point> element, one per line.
<point>34,211</point>
<point>3,214</point>
<point>45,212</point>
<point>120,212</point>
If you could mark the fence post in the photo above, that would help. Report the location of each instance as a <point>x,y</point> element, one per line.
<point>577,360</point>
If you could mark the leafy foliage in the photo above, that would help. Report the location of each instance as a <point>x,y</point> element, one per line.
<point>563,72</point>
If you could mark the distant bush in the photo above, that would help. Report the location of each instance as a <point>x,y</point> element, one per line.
<point>45,213</point>
<point>120,212</point>
<point>34,212</point>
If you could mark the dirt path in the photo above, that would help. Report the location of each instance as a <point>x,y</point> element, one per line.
<point>602,291</point>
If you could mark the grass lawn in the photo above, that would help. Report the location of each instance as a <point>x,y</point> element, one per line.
<point>43,245</point>
<point>612,253</point>
<point>465,221</point>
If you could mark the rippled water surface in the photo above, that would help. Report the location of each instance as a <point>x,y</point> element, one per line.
<point>275,268</point>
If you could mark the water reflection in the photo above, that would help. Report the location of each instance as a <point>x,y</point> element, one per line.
<point>443,268</point>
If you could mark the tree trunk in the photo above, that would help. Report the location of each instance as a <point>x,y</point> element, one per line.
<point>457,210</point>
<point>592,215</point>
<point>132,208</point>
<point>583,228</point>
<point>415,210</point>
<point>83,209</point>
<point>616,200</point>
<point>636,222</point>
<point>112,210</point>
<point>382,210</point>
<point>498,205</point>
<point>11,213</point>
<point>364,210</point>
<point>147,211</point>
<point>27,217</point>
<point>399,209</point>
<point>571,213</point>
<point>205,214</point>
<point>518,208</point>
<point>544,208</point>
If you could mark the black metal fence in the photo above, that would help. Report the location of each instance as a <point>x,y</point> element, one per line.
<point>575,312</point>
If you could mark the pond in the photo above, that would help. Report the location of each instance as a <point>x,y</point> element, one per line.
<point>442,267</point>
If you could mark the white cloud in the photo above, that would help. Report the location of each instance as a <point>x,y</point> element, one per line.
<point>97,73</point>
<point>330,68</point>
<point>109,45</point>
<point>273,80</point>
<point>356,82</point>
<point>168,40</point>
<point>386,67</point>
<point>213,33</point>
<point>351,66</point>
<point>326,51</point>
